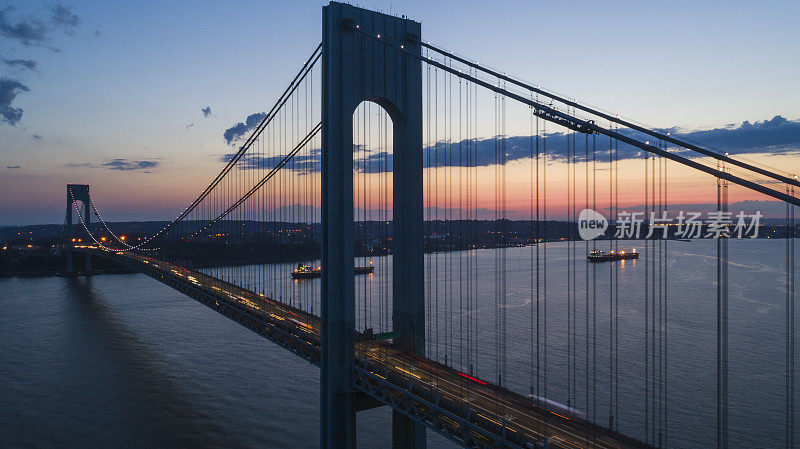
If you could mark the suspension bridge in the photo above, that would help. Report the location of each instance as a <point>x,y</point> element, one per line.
<point>435,170</point>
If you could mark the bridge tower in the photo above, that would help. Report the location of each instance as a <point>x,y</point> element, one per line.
<point>357,69</point>
<point>77,192</point>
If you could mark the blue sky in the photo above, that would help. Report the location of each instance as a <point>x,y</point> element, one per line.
<point>116,84</point>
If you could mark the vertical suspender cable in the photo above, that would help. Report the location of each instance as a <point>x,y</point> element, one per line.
<point>790,323</point>
<point>722,387</point>
<point>665,317</point>
<point>571,242</point>
<point>653,300</point>
<point>594,285</point>
<point>534,177</point>
<point>647,260</point>
<point>587,384</point>
<point>611,271</point>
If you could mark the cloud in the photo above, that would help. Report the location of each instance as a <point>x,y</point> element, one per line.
<point>98,34</point>
<point>206,111</point>
<point>126,165</point>
<point>27,32</point>
<point>63,17</point>
<point>13,166</point>
<point>236,132</point>
<point>23,63</point>
<point>777,135</point>
<point>35,31</point>
<point>36,137</point>
<point>117,164</point>
<point>302,164</point>
<point>189,126</point>
<point>9,89</point>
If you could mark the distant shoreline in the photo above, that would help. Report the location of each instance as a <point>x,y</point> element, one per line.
<point>50,273</point>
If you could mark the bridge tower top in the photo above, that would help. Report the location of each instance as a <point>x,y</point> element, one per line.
<point>76,192</point>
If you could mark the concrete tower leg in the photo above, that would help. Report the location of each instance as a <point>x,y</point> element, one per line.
<point>68,244</point>
<point>87,218</point>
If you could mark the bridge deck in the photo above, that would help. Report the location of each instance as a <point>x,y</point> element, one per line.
<point>467,410</point>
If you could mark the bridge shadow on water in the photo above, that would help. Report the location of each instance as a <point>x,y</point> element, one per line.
<point>162,413</point>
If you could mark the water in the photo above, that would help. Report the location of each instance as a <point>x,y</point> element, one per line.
<point>123,361</point>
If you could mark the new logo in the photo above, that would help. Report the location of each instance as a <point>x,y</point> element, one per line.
<point>591,224</point>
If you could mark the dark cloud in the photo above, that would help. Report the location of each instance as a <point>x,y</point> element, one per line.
<point>63,17</point>
<point>13,166</point>
<point>98,34</point>
<point>23,63</point>
<point>236,132</point>
<point>9,89</point>
<point>126,165</point>
<point>189,126</point>
<point>301,164</point>
<point>27,32</point>
<point>79,165</point>
<point>207,111</point>
<point>36,137</point>
<point>35,31</point>
<point>777,135</point>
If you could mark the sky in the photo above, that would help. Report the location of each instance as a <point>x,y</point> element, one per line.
<point>134,98</point>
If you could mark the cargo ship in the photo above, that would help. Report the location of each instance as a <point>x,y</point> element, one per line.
<point>599,256</point>
<point>308,272</point>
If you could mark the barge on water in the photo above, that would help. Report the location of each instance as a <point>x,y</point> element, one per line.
<point>600,256</point>
<point>308,272</point>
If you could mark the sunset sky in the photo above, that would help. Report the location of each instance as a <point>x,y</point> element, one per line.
<point>134,98</point>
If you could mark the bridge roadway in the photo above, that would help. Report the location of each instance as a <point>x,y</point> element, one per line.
<point>468,410</point>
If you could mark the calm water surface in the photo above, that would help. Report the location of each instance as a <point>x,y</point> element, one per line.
<point>123,361</point>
